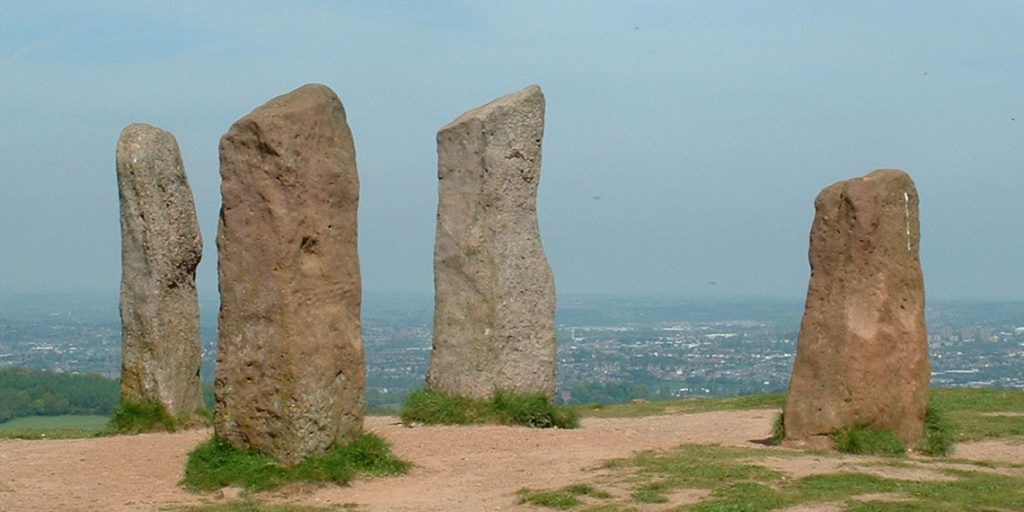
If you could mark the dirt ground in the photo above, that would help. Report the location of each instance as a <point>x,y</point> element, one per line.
<point>477,468</point>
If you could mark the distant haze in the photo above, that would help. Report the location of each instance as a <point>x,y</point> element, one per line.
<point>685,141</point>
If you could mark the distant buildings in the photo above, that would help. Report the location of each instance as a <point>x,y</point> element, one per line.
<point>660,358</point>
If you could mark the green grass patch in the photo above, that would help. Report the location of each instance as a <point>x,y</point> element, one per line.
<point>882,506</point>
<point>587,490</point>
<point>216,464</point>
<point>734,482</point>
<point>702,467</point>
<point>255,506</point>
<point>53,427</point>
<point>682,406</point>
<point>938,434</point>
<point>744,497</point>
<point>94,423</point>
<point>778,430</point>
<point>971,413</point>
<point>862,440</point>
<point>561,499</point>
<point>532,410</point>
<point>648,496</point>
<point>528,409</point>
<point>978,399</point>
<point>151,416</point>
<point>551,499</point>
<point>128,418</point>
<point>434,407</point>
<point>975,413</point>
<point>737,483</point>
<point>834,486</point>
<point>138,417</point>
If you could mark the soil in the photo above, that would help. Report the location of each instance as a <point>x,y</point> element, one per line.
<point>472,468</point>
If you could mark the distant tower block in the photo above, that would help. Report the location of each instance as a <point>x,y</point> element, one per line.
<point>160,249</point>
<point>862,356</point>
<point>494,316</point>
<point>290,370</point>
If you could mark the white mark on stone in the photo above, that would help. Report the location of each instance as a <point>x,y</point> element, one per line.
<point>906,209</point>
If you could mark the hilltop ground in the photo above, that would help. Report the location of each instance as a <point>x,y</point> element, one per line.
<point>473,468</point>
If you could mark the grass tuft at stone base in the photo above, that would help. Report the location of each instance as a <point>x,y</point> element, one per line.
<point>778,430</point>
<point>862,440</point>
<point>216,464</point>
<point>937,440</point>
<point>139,417</point>
<point>506,408</point>
<point>938,434</point>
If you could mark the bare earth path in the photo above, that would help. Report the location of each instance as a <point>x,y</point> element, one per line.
<point>476,468</point>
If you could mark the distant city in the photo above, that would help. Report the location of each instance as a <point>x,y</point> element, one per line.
<point>610,349</point>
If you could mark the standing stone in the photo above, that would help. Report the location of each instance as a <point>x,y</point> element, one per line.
<point>862,356</point>
<point>290,372</point>
<point>494,316</point>
<point>160,249</point>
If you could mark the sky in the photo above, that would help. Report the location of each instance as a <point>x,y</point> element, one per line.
<point>684,142</point>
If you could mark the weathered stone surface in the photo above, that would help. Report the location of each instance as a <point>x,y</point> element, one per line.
<point>290,371</point>
<point>862,356</point>
<point>494,316</point>
<point>160,249</point>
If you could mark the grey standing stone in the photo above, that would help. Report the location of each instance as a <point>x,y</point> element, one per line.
<point>290,373</point>
<point>160,249</point>
<point>862,355</point>
<point>494,316</point>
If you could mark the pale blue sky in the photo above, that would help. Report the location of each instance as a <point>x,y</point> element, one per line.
<point>705,128</point>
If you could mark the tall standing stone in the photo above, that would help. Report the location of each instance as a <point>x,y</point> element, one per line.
<point>160,249</point>
<point>290,371</point>
<point>494,316</point>
<point>862,356</point>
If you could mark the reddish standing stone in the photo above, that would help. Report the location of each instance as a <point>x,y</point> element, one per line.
<point>862,355</point>
<point>290,370</point>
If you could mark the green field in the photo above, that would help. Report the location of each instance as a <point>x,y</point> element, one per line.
<point>53,427</point>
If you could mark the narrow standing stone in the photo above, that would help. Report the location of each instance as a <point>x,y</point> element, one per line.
<point>290,372</point>
<point>160,249</point>
<point>862,356</point>
<point>494,316</point>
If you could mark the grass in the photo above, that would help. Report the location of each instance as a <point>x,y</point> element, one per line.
<point>138,417</point>
<point>731,475</point>
<point>863,440</point>
<point>528,409</point>
<point>737,483</point>
<point>954,414</point>
<point>649,496</point>
<point>975,412</point>
<point>938,433</point>
<point>216,464</point>
<point>682,406</point>
<point>561,499</point>
<point>151,416</point>
<point>778,430</point>
<point>53,427</point>
<point>255,506</point>
<point>128,418</point>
